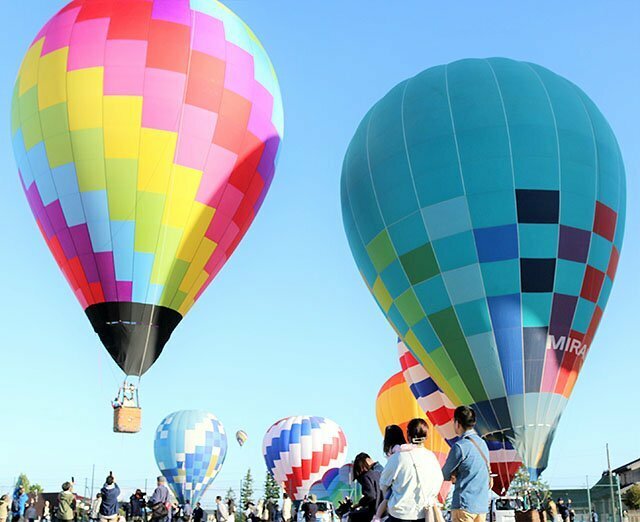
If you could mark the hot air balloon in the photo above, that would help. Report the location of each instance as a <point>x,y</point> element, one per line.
<point>396,404</point>
<point>484,203</point>
<point>299,450</point>
<point>504,459</point>
<point>241,437</point>
<point>336,484</point>
<point>146,136</point>
<point>190,447</point>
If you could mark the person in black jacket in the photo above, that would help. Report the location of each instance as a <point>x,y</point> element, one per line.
<point>367,474</point>
<point>198,513</point>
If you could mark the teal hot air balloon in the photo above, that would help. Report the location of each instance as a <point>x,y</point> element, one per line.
<point>190,447</point>
<point>484,203</point>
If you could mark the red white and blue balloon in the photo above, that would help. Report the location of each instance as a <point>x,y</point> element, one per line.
<point>299,450</point>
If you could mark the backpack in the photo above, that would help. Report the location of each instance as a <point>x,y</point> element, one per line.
<point>15,506</point>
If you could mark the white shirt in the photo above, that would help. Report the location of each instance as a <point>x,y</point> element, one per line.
<point>415,478</point>
<point>285,508</point>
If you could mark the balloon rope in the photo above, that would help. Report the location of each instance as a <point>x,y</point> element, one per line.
<point>146,343</point>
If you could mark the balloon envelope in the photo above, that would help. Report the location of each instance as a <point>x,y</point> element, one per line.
<point>396,404</point>
<point>146,136</point>
<point>190,447</point>
<point>504,459</point>
<point>336,484</point>
<point>484,203</point>
<point>241,437</point>
<point>299,450</point>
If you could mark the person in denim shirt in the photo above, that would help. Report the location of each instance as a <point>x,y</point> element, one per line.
<point>468,465</point>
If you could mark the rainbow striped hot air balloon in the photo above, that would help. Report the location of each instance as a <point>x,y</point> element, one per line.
<point>336,484</point>
<point>146,135</point>
<point>484,203</point>
<point>299,450</point>
<point>504,459</point>
<point>190,447</point>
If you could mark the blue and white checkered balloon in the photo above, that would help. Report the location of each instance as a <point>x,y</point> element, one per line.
<point>190,447</point>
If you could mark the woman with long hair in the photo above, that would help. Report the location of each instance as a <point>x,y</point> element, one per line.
<point>367,473</point>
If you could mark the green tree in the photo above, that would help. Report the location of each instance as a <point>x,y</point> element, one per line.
<point>631,497</point>
<point>246,491</point>
<point>271,488</point>
<point>33,489</point>
<point>231,495</point>
<point>534,493</point>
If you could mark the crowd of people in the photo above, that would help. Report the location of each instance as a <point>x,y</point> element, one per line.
<point>161,506</point>
<point>404,490</point>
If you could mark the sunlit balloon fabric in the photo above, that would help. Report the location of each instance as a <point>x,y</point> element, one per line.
<point>190,447</point>
<point>484,203</point>
<point>504,459</point>
<point>395,404</point>
<point>146,134</point>
<point>336,484</point>
<point>299,450</point>
<point>241,437</point>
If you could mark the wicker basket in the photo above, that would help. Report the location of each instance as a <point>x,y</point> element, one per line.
<point>127,419</point>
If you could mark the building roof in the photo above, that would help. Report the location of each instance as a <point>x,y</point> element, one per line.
<point>634,464</point>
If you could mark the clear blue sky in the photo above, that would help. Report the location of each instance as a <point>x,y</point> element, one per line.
<point>288,327</point>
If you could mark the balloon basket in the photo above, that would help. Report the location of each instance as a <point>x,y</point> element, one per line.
<point>127,419</point>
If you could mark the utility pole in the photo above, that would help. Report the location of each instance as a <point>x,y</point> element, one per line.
<point>613,499</point>
<point>93,474</point>
<point>619,498</point>
<point>589,498</point>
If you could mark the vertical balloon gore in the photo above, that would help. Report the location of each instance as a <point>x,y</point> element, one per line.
<point>484,203</point>
<point>146,135</point>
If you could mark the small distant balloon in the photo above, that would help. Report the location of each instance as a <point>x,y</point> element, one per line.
<point>241,437</point>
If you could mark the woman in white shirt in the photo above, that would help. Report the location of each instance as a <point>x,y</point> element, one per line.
<point>413,477</point>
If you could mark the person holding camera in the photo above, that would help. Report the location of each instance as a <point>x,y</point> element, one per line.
<point>137,505</point>
<point>109,506</point>
<point>66,503</point>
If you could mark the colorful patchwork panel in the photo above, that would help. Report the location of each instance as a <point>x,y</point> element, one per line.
<point>146,135</point>
<point>484,204</point>
<point>190,447</point>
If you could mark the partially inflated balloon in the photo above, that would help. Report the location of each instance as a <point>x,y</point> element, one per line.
<point>299,450</point>
<point>336,484</point>
<point>396,404</point>
<point>190,447</point>
<point>504,459</point>
<point>484,204</point>
<point>146,133</point>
